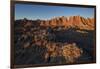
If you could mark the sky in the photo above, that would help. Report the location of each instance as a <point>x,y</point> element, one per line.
<point>47,12</point>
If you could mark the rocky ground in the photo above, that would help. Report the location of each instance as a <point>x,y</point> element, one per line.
<point>36,44</point>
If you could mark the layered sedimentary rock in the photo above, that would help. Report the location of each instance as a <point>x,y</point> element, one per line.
<point>70,22</point>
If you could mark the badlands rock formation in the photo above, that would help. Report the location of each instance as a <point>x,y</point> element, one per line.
<point>70,22</point>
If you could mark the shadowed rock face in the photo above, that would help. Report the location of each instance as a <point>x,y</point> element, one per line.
<point>51,41</point>
<point>72,21</point>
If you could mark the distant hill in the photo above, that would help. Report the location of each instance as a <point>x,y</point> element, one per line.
<point>77,22</point>
<point>70,22</point>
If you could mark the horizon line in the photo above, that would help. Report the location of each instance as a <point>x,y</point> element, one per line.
<point>52,17</point>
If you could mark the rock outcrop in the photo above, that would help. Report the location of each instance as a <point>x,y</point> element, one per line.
<point>70,22</point>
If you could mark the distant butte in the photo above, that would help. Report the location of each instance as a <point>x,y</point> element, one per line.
<point>77,22</point>
<point>72,21</point>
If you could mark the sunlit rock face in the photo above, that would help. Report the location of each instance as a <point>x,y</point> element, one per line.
<point>72,21</point>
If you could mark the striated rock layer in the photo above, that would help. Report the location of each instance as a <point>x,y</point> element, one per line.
<point>70,22</point>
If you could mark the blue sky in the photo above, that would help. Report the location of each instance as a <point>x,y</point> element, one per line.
<point>47,12</point>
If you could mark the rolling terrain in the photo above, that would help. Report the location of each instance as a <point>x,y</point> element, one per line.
<point>60,40</point>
